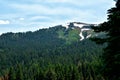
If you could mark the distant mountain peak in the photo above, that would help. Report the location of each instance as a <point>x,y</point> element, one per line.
<point>77,24</point>
<point>83,27</point>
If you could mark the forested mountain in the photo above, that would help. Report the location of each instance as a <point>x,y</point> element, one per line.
<point>56,53</point>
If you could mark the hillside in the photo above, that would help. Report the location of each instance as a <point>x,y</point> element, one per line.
<point>59,45</point>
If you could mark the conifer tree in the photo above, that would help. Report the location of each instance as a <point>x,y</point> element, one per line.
<point>50,75</point>
<point>19,74</point>
<point>12,75</point>
<point>111,54</point>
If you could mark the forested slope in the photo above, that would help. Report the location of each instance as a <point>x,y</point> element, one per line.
<point>49,54</point>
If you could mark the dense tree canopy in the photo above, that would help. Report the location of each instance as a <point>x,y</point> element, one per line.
<point>111,55</point>
<point>58,54</point>
<point>48,54</point>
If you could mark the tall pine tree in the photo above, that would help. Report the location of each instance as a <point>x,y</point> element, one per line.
<point>111,55</point>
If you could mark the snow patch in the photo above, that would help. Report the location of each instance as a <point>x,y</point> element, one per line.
<point>81,35</point>
<point>88,36</point>
<point>78,25</point>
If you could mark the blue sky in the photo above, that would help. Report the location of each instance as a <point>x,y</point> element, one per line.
<point>31,15</point>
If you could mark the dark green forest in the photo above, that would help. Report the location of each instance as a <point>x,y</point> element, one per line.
<point>58,54</point>
<point>111,53</point>
<point>46,55</point>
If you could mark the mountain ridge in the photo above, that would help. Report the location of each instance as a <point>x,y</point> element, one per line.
<point>82,27</point>
<point>54,45</point>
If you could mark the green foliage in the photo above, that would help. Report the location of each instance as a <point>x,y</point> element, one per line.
<point>12,75</point>
<point>55,72</point>
<point>70,35</point>
<point>111,54</point>
<point>49,54</point>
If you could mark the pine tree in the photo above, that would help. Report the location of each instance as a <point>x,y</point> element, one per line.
<point>50,75</point>
<point>19,74</point>
<point>111,55</point>
<point>12,75</point>
<point>75,74</point>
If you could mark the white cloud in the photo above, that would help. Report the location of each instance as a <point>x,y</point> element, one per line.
<point>40,9</point>
<point>39,13</point>
<point>21,19</point>
<point>4,22</point>
<point>80,2</point>
<point>57,1</point>
<point>39,17</point>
